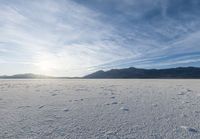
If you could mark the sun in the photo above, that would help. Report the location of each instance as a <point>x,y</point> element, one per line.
<point>45,66</point>
<point>49,64</point>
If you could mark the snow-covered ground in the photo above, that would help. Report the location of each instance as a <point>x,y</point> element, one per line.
<point>100,109</point>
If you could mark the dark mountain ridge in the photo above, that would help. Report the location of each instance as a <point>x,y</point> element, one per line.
<point>180,72</point>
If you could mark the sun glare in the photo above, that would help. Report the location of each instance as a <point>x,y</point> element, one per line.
<point>45,66</point>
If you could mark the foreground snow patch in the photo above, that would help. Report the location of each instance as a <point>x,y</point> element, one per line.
<point>99,109</point>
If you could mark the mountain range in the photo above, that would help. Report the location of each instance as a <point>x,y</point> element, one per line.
<point>135,73</point>
<point>180,72</point>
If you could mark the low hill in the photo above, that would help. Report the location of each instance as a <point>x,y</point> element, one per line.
<point>25,76</point>
<point>34,76</point>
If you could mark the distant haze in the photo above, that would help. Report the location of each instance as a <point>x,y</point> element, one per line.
<point>78,37</point>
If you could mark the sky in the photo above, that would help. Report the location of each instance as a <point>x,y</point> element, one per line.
<point>77,37</point>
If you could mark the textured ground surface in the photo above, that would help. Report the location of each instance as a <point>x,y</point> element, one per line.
<point>100,109</point>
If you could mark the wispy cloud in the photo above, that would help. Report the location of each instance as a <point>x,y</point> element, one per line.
<point>71,38</point>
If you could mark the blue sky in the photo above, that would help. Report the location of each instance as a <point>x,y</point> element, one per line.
<point>77,37</point>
